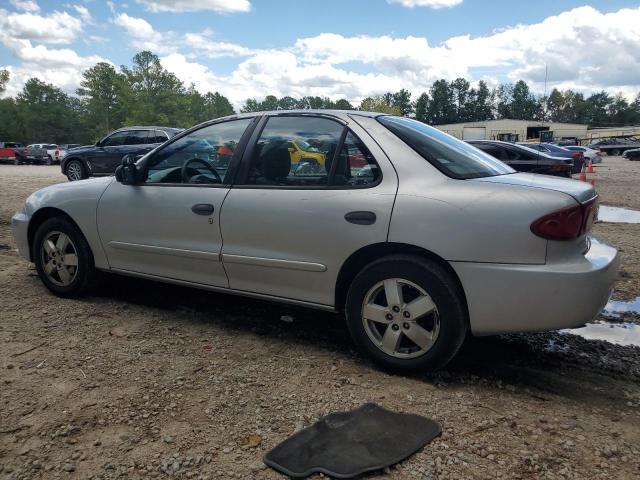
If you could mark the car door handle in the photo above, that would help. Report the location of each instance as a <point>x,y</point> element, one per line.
<point>361,218</point>
<point>202,209</point>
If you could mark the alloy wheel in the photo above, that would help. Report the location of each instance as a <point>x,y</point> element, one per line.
<point>59,258</point>
<point>400,318</point>
<point>74,171</point>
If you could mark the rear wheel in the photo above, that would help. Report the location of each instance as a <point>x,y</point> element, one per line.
<point>75,170</point>
<point>407,313</point>
<point>63,258</point>
<point>614,152</point>
<point>49,160</point>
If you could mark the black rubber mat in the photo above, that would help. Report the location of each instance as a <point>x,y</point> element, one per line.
<point>347,444</point>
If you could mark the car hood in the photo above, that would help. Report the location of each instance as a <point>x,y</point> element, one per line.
<point>81,149</point>
<point>581,191</point>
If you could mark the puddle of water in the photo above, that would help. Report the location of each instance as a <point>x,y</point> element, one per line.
<point>616,307</point>
<point>618,215</point>
<point>618,333</point>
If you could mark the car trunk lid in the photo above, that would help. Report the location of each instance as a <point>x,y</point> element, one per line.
<point>581,191</point>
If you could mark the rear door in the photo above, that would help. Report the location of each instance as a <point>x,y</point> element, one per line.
<point>288,230</point>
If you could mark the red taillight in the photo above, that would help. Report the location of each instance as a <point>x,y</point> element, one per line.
<point>24,151</point>
<point>567,223</point>
<point>57,153</point>
<point>577,155</point>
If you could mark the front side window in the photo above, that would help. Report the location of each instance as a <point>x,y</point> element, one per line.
<point>201,157</point>
<point>453,157</point>
<point>115,140</point>
<point>294,151</point>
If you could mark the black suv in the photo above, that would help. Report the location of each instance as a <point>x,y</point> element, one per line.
<point>104,157</point>
<point>525,159</point>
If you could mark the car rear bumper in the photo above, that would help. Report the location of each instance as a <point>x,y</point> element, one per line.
<point>20,227</point>
<point>508,298</point>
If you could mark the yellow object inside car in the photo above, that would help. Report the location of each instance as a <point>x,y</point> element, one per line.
<point>299,150</point>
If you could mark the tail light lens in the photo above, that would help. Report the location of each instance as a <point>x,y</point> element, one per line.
<point>57,153</point>
<point>567,223</point>
<point>577,155</point>
<point>24,151</point>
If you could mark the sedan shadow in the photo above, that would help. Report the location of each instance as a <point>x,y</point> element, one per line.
<point>545,363</point>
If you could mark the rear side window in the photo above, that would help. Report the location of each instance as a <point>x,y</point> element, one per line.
<point>157,136</point>
<point>453,157</point>
<point>293,151</point>
<point>137,137</point>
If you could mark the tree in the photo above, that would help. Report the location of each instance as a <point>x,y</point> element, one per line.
<point>160,98</point>
<point>102,92</point>
<point>479,105</point>
<point>402,101</point>
<point>4,79</point>
<point>441,107</point>
<point>343,104</point>
<point>421,106</point>
<point>378,104</point>
<point>47,113</point>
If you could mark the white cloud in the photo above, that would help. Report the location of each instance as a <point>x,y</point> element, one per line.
<point>427,3</point>
<point>61,67</point>
<point>83,12</point>
<point>204,45</point>
<point>143,35</point>
<point>220,6</point>
<point>57,27</point>
<point>26,5</point>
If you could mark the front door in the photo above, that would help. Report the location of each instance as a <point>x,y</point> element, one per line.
<point>288,230</point>
<point>169,225</point>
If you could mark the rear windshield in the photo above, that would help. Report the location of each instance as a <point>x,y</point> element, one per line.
<point>451,156</point>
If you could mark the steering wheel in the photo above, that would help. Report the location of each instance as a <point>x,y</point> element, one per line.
<point>207,165</point>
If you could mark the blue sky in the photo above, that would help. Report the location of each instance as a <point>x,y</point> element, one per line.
<point>348,48</point>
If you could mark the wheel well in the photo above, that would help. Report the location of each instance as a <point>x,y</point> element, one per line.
<point>361,258</point>
<point>39,218</point>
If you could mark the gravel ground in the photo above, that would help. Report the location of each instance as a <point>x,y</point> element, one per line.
<point>152,381</point>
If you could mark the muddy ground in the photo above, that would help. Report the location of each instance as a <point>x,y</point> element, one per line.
<point>152,381</point>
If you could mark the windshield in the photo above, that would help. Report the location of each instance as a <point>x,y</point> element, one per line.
<point>454,158</point>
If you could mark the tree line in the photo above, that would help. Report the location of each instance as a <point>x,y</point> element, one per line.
<point>145,93</point>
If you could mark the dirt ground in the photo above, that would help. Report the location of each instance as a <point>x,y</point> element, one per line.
<point>152,381</point>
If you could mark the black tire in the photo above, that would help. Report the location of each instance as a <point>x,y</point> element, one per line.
<point>49,160</point>
<point>68,170</point>
<point>86,276</point>
<point>445,293</point>
<point>614,152</point>
<point>16,161</point>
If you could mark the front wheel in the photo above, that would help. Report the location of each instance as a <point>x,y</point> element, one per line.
<point>407,312</point>
<point>63,258</point>
<point>75,170</point>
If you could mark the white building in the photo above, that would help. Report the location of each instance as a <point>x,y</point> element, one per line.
<point>512,130</point>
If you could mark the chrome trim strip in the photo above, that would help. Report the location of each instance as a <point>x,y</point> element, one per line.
<point>274,263</point>
<point>176,252</point>
<point>230,291</point>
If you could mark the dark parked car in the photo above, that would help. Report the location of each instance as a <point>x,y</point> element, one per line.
<point>632,154</point>
<point>615,146</point>
<point>557,151</point>
<point>103,157</point>
<point>525,159</point>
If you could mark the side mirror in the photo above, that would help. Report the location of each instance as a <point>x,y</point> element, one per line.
<point>127,172</point>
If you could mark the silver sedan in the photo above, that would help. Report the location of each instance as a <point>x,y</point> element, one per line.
<point>420,239</point>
